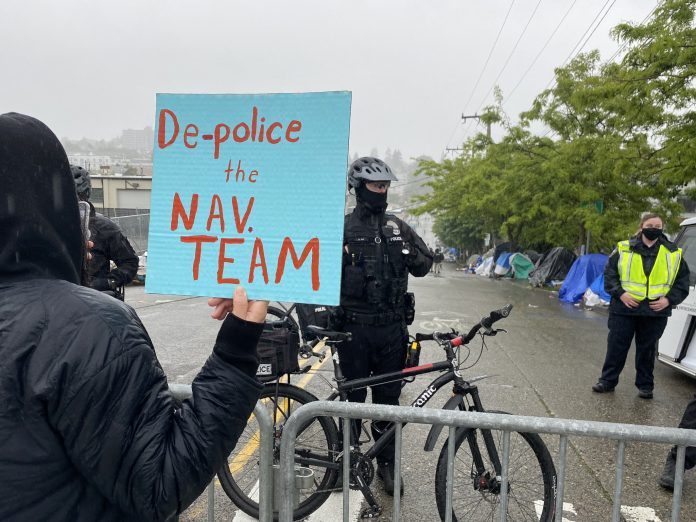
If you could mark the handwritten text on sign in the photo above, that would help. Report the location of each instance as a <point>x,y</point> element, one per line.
<point>249,189</point>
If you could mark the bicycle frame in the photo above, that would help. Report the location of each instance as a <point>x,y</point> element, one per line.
<point>462,388</point>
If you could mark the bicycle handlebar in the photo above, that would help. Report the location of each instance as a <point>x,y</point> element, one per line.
<point>485,322</point>
<point>457,340</point>
<point>332,335</point>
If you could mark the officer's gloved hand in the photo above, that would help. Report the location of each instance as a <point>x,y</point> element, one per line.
<point>113,284</point>
<point>410,253</point>
<point>104,284</point>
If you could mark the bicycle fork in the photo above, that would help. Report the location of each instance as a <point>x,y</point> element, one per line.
<point>482,479</point>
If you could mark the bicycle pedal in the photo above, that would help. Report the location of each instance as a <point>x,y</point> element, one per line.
<point>371,512</point>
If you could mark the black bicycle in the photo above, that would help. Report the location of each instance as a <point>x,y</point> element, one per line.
<point>477,468</point>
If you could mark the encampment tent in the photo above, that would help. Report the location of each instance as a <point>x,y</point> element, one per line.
<point>473,260</point>
<point>521,265</point>
<point>553,266</point>
<point>485,268</point>
<point>533,255</point>
<point>581,275</point>
<point>503,247</point>
<point>502,264</point>
<point>597,287</point>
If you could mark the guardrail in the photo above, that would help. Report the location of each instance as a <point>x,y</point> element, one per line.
<point>263,417</point>
<point>621,433</point>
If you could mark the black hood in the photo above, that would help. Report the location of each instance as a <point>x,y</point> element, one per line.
<point>39,218</point>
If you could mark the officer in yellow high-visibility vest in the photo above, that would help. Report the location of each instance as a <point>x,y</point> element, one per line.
<point>645,276</point>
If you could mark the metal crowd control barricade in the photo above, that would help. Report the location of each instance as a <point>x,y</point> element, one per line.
<point>183,391</point>
<point>621,433</point>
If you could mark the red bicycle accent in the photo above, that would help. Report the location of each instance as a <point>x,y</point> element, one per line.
<point>416,368</point>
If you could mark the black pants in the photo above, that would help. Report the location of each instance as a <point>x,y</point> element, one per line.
<point>622,328</point>
<point>689,422</point>
<point>374,350</point>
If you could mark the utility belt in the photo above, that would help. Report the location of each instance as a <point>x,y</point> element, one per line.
<point>373,319</point>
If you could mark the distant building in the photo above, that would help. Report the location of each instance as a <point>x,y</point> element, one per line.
<point>423,226</point>
<point>90,162</point>
<point>121,195</point>
<point>134,139</point>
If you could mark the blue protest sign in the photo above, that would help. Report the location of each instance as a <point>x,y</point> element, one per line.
<point>250,190</point>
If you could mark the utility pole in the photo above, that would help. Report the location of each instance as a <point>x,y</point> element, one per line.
<point>488,124</point>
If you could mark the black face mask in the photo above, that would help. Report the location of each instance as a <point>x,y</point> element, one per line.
<point>652,234</point>
<point>375,202</point>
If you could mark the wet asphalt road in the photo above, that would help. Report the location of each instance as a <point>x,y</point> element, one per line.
<point>544,366</point>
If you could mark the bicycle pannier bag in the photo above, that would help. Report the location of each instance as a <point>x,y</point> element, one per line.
<point>278,350</point>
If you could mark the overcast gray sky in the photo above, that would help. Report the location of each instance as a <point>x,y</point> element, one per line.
<point>90,68</point>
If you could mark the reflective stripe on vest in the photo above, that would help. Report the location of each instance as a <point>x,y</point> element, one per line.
<point>662,275</point>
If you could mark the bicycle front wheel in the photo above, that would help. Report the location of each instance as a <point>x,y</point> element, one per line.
<point>476,492</point>
<point>317,445</point>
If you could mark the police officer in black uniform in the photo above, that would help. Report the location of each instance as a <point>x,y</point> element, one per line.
<point>109,244</point>
<point>379,252</point>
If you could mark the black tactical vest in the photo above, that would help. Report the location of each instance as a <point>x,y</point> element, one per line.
<point>375,275</point>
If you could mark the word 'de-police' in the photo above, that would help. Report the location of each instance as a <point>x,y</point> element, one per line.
<point>256,130</point>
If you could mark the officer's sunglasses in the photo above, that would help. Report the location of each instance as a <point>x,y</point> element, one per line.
<point>380,185</point>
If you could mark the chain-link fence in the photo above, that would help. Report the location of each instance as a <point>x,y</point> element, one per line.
<point>135,228</point>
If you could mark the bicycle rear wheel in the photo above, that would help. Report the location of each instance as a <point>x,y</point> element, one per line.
<point>317,441</point>
<point>531,479</point>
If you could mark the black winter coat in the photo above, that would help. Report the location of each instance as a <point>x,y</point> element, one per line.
<point>89,430</point>
<point>612,279</point>
<point>109,245</point>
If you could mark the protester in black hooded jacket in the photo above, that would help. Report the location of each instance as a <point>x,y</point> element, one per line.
<point>109,243</point>
<point>89,430</point>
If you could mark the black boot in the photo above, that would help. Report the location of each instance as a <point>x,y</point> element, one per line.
<point>385,471</point>
<point>666,480</point>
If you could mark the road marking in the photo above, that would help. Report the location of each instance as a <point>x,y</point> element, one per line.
<point>639,514</point>
<point>630,513</point>
<point>252,444</point>
<point>329,510</point>
<point>567,508</point>
<point>333,506</point>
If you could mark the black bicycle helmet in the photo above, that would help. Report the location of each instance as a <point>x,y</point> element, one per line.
<point>83,185</point>
<point>369,169</point>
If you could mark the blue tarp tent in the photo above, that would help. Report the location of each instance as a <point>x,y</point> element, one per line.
<point>582,274</point>
<point>597,287</point>
<point>502,264</point>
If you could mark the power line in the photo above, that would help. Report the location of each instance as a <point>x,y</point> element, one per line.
<point>422,180</point>
<point>478,80</point>
<point>512,52</point>
<point>625,44</point>
<point>616,53</point>
<point>490,53</point>
<point>574,53</point>
<point>541,50</point>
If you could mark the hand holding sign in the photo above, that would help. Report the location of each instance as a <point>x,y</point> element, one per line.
<point>254,311</point>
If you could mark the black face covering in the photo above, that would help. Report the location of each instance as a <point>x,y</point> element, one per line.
<point>375,202</point>
<point>652,234</point>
